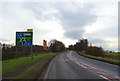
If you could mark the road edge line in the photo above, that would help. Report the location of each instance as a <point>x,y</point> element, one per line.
<point>46,74</point>
<point>89,66</point>
<point>103,77</point>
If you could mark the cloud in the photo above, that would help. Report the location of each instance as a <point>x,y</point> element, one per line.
<point>61,20</point>
<point>74,34</point>
<point>70,15</point>
<point>110,32</point>
<point>41,10</point>
<point>97,41</point>
<point>75,18</point>
<point>95,38</point>
<point>100,43</point>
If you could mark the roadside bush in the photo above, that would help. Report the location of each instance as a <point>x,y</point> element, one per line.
<point>96,51</point>
<point>56,46</point>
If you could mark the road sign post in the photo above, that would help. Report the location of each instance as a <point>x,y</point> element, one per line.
<point>24,39</point>
<point>16,56</point>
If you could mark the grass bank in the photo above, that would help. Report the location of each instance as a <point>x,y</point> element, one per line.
<point>13,65</point>
<point>104,59</point>
<point>35,71</point>
<point>0,70</point>
<point>112,55</point>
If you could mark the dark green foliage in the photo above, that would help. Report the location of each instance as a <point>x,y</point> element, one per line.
<point>81,45</point>
<point>11,52</point>
<point>96,51</point>
<point>57,46</point>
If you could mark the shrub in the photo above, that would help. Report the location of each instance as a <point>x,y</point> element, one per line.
<point>96,51</point>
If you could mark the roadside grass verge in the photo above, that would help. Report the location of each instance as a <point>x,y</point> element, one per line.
<point>0,70</point>
<point>13,65</point>
<point>104,59</point>
<point>35,71</point>
<point>112,55</point>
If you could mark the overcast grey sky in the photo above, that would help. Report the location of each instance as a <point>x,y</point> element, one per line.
<point>67,21</point>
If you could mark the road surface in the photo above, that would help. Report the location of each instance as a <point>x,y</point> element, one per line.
<point>70,65</point>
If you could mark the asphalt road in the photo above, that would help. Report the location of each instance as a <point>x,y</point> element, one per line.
<point>70,65</point>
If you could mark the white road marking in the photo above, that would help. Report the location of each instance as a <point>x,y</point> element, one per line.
<point>66,60</point>
<point>46,74</point>
<point>103,77</point>
<point>84,66</point>
<point>69,57</point>
<point>76,62</point>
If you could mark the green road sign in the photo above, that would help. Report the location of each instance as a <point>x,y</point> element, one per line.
<point>24,38</point>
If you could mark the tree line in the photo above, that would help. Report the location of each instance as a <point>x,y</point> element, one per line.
<point>11,52</point>
<point>82,46</point>
<point>56,46</point>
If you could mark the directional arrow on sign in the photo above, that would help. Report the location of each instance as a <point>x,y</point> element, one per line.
<point>22,39</point>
